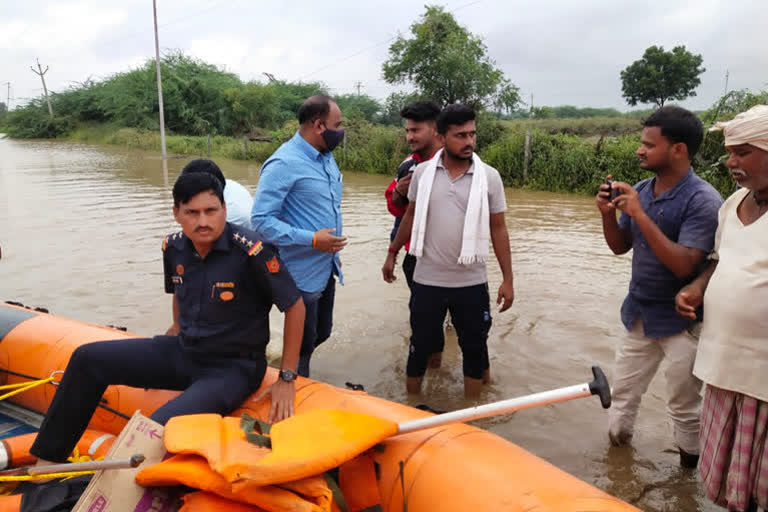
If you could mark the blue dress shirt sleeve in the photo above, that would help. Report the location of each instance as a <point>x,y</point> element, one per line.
<point>274,185</point>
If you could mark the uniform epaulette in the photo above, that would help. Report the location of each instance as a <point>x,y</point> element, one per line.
<point>247,242</point>
<point>172,238</point>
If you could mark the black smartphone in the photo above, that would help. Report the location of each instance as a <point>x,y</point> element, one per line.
<point>614,192</point>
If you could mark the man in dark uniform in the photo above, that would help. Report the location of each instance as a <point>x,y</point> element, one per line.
<point>224,283</point>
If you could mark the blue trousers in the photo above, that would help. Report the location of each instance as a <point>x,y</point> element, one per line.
<point>210,384</point>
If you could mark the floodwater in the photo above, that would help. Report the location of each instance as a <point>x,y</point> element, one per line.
<point>81,229</point>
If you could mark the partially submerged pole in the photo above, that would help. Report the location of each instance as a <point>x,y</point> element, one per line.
<point>160,94</point>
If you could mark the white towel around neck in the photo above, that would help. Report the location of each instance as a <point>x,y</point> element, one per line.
<point>476,233</point>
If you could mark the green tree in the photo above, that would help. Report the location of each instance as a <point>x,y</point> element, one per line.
<point>448,64</point>
<point>390,111</point>
<point>660,76</point>
<point>253,106</point>
<point>361,106</point>
<point>290,96</point>
<point>3,111</point>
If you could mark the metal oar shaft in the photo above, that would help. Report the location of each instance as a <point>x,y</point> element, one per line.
<point>93,465</point>
<point>599,386</point>
<point>495,408</point>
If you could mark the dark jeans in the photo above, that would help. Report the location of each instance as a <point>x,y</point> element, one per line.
<point>318,322</point>
<point>470,312</point>
<point>409,265</point>
<point>210,384</point>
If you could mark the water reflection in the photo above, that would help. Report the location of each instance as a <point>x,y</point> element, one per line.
<point>81,229</point>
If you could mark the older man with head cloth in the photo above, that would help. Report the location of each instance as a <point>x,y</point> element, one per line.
<point>732,357</point>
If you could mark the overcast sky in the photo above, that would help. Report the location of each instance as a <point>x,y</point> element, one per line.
<point>561,51</point>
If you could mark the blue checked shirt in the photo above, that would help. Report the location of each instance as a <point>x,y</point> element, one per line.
<point>687,214</point>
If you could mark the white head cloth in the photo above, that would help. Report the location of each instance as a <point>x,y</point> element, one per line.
<point>750,127</point>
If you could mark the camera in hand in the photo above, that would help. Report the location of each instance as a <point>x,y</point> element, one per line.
<point>614,192</point>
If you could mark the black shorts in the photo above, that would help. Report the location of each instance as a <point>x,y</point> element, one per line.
<point>471,316</point>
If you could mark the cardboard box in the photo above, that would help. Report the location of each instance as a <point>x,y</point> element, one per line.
<point>116,490</point>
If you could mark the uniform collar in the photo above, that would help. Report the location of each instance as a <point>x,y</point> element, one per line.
<point>223,242</point>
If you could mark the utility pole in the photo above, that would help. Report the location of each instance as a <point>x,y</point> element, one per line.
<point>358,86</point>
<point>41,73</point>
<point>160,94</point>
<point>8,97</point>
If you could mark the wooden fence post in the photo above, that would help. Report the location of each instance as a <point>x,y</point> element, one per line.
<point>527,156</point>
<point>208,143</point>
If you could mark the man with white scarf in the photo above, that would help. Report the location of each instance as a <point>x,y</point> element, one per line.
<point>732,357</point>
<point>457,205</point>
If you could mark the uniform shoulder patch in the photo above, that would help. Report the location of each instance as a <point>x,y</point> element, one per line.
<point>247,242</point>
<point>179,235</point>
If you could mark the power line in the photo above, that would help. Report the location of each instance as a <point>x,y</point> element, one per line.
<point>162,25</point>
<point>376,45</point>
<point>8,97</point>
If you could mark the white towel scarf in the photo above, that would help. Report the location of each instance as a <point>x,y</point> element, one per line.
<point>476,233</point>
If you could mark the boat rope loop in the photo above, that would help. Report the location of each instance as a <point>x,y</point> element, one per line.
<point>23,386</point>
<point>65,475</point>
<point>52,380</point>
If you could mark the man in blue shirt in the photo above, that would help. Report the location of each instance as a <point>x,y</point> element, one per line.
<point>297,208</point>
<point>669,222</point>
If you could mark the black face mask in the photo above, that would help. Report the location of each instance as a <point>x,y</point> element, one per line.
<point>332,138</point>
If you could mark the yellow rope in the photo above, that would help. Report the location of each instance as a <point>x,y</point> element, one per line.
<point>23,386</point>
<point>45,476</point>
<point>75,457</point>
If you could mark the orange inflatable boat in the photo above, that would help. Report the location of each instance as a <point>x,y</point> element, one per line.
<point>449,468</point>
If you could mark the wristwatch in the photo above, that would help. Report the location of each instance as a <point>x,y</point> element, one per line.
<point>288,375</point>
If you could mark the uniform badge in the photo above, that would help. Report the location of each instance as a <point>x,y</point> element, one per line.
<point>226,296</point>
<point>254,248</point>
<point>273,265</point>
<point>180,269</point>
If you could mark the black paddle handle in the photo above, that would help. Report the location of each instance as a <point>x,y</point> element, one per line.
<point>600,387</point>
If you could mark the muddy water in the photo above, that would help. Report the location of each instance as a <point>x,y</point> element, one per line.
<point>81,228</point>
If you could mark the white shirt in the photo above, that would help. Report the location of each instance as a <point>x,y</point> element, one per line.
<point>239,203</point>
<point>733,348</point>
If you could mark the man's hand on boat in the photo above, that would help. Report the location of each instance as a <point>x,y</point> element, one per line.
<point>282,395</point>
